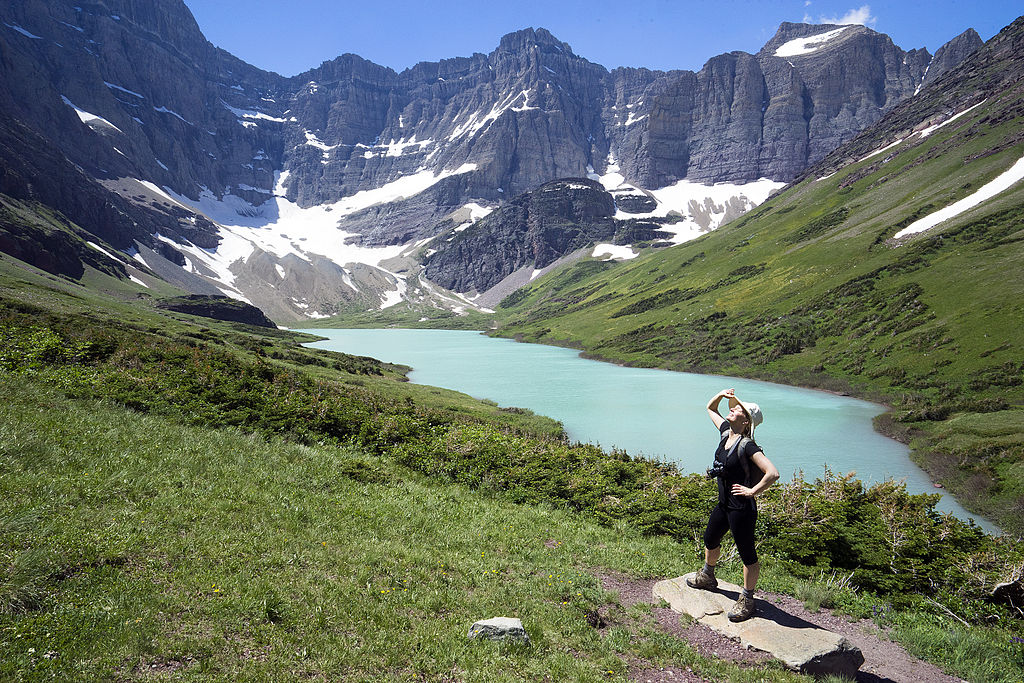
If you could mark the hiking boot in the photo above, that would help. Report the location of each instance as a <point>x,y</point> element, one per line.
<point>743,609</point>
<point>702,579</point>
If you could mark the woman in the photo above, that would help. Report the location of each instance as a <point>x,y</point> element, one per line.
<point>743,471</point>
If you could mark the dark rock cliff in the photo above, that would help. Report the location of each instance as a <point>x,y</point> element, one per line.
<point>536,228</point>
<point>218,308</point>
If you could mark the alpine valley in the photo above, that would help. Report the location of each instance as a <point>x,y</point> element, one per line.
<point>351,187</point>
<point>189,491</point>
<point>832,211</point>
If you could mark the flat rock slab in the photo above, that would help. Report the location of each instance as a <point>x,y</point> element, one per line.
<point>803,646</point>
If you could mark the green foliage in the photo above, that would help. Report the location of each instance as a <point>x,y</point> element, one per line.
<point>971,653</point>
<point>819,226</point>
<point>884,539</point>
<point>893,543</point>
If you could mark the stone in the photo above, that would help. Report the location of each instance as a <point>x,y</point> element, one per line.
<point>802,646</point>
<point>1010,592</point>
<point>500,628</point>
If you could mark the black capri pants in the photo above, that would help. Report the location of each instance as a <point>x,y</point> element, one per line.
<point>740,523</point>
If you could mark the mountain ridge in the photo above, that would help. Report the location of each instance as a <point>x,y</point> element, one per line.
<point>174,125</point>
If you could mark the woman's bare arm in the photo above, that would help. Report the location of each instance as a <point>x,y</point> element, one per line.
<point>771,475</point>
<point>713,413</point>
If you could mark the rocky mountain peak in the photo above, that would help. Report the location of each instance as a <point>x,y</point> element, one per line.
<point>953,53</point>
<point>528,38</point>
<point>830,34</point>
<point>191,142</point>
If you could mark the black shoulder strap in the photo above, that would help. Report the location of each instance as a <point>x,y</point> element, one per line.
<point>743,461</point>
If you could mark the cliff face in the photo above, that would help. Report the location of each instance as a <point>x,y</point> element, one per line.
<point>536,228</point>
<point>123,97</point>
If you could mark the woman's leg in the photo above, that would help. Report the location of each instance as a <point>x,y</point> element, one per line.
<point>711,557</point>
<point>751,572</point>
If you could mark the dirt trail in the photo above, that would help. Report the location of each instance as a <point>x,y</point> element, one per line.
<point>884,660</point>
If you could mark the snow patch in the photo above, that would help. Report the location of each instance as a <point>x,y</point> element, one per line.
<point>931,129</point>
<point>879,151</point>
<point>711,202</point>
<point>15,27</point>
<point>633,118</point>
<point>476,211</point>
<point>280,227</point>
<point>87,118</point>
<point>474,123</point>
<point>250,114</point>
<point>990,189</point>
<point>103,251</point>
<point>612,179</point>
<point>395,296</point>
<point>610,252</point>
<point>124,90</point>
<point>805,46</point>
<point>165,110</point>
<point>250,188</point>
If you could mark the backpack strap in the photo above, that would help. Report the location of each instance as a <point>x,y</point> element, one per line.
<point>738,447</point>
<point>743,461</point>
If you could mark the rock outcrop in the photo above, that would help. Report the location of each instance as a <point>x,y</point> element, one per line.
<point>802,646</point>
<point>952,54</point>
<point>218,308</point>
<point>535,228</point>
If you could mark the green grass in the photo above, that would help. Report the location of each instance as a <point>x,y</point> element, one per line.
<point>134,546</point>
<point>973,654</point>
<point>155,541</point>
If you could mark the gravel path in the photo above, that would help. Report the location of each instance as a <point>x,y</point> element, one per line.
<point>884,660</point>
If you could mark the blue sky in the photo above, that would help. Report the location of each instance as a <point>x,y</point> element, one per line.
<point>291,37</point>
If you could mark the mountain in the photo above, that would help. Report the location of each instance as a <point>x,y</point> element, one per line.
<point>887,270</point>
<point>293,193</point>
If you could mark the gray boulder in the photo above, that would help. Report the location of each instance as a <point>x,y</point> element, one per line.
<point>500,628</point>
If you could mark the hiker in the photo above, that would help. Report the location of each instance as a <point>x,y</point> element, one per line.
<point>742,471</point>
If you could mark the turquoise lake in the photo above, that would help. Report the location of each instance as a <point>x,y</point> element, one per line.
<point>654,413</point>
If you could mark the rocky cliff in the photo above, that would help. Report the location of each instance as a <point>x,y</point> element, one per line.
<point>171,144</point>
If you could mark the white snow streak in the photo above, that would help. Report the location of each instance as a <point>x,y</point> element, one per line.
<point>251,113</point>
<point>124,90</point>
<point>165,110</point>
<point>87,118</point>
<point>990,189</point>
<point>931,129</point>
<point>22,31</point>
<point>879,151</point>
<point>103,251</point>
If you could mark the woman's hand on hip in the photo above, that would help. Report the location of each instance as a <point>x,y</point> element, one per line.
<point>740,490</point>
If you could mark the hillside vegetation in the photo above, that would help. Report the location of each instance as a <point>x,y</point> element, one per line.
<point>812,289</point>
<point>190,497</point>
<point>208,500</point>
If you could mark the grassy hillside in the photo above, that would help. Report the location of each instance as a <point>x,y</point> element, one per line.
<point>811,289</point>
<point>208,500</point>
